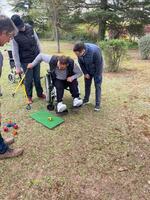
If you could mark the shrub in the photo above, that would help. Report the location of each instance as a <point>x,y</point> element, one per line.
<point>79,35</point>
<point>144,46</point>
<point>114,51</point>
<point>132,44</point>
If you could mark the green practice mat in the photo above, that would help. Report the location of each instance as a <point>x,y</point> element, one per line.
<point>47,119</point>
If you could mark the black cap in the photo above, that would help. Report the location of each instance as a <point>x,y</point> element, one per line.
<point>17,21</point>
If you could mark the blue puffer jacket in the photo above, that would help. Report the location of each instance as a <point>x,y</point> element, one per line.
<point>92,61</point>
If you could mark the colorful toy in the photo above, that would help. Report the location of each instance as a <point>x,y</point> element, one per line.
<point>15,126</point>
<point>10,124</point>
<point>15,132</point>
<point>5,129</point>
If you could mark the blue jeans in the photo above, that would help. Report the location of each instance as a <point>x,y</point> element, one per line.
<point>32,75</point>
<point>3,146</point>
<point>97,82</point>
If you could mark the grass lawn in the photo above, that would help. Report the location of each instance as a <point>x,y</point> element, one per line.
<point>92,156</point>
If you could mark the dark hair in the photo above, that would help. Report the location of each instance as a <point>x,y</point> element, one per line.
<point>6,25</point>
<point>63,60</point>
<point>79,46</point>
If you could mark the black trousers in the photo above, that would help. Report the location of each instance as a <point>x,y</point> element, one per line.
<point>32,75</point>
<point>61,85</point>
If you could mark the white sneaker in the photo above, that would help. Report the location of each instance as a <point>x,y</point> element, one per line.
<point>61,107</point>
<point>77,102</point>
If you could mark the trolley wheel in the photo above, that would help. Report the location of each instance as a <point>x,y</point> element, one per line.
<point>50,107</point>
<point>11,78</point>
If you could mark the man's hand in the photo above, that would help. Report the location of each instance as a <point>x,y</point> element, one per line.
<point>30,66</point>
<point>19,71</point>
<point>87,76</point>
<point>69,79</point>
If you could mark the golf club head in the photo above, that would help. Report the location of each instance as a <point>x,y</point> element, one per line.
<point>28,107</point>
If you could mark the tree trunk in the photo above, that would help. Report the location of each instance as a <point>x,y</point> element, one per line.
<point>101,29</point>
<point>57,38</point>
<point>55,20</point>
<point>102,21</point>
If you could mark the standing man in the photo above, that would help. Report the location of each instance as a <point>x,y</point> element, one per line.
<point>91,62</point>
<point>25,48</point>
<point>7,32</point>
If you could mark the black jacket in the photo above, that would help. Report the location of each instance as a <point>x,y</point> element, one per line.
<point>53,65</point>
<point>28,48</point>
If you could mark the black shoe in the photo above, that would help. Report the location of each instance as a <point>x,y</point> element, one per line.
<point>97,108</point>
<point>85,102</point>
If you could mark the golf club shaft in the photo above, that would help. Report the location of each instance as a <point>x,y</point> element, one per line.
<point>20,82</point>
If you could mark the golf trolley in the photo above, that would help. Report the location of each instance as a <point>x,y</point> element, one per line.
<point>12,74</point>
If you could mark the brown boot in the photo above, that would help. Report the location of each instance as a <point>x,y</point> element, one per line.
<point>9,141</point>
<point>11,153</point>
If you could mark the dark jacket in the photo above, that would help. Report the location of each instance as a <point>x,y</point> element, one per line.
<point>53,65</point>
<point>28,48</point>
<point>92,62</point>
<point>1,63</point>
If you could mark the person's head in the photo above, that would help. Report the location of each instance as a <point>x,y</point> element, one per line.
<point>79,49</point>
<point>18,22</point>
<point>7,30</point>
<point>62,62</point>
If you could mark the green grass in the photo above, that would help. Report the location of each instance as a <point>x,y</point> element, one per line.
<point>92,156</point>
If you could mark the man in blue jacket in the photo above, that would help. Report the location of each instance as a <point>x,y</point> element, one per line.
<point>91,62</point>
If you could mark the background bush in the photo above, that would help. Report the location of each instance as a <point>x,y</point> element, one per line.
<point>132,44</point>
<point>144,46</point>
<point>114,51</point>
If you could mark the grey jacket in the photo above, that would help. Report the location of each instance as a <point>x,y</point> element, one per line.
<point>60,74</point>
